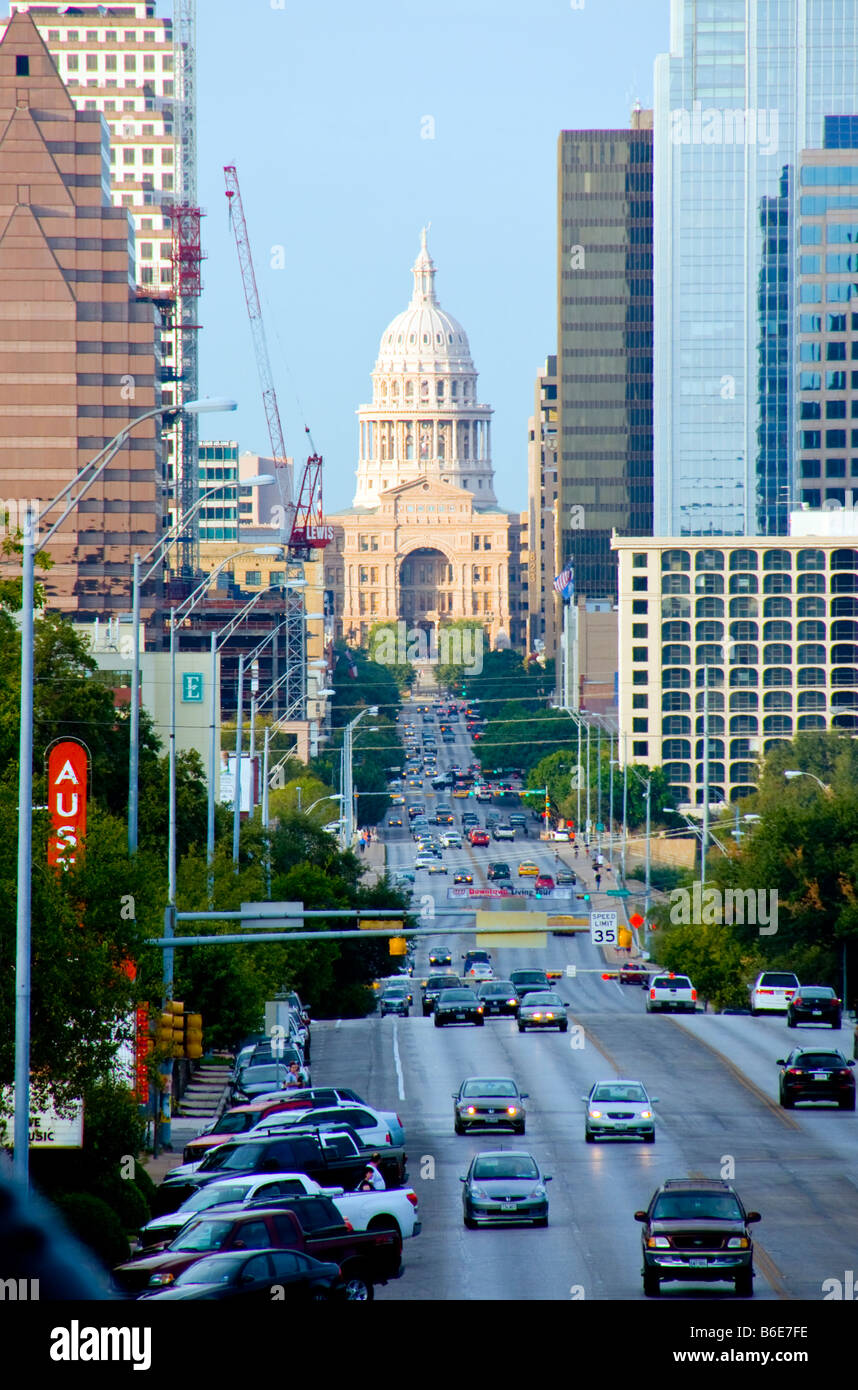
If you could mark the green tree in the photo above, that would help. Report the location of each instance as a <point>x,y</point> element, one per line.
<point>385,648</point>
<point>463,646</point>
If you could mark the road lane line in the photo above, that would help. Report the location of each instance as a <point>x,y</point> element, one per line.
<point>397,1061</point>
<point>786,1119</point>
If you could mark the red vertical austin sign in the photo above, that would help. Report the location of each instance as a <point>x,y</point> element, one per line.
<point>68,767</point>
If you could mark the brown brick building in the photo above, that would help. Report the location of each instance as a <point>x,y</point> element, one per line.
<point>77,348</point>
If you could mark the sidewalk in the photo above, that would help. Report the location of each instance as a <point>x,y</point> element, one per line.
<point>374,859</point>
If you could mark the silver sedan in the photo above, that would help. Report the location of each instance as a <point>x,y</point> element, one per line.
<point>542,1010</point>
<point>619,1108</point>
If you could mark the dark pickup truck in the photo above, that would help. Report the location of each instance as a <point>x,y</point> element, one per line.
<point>297,1223</point>
<point>332,1157</point>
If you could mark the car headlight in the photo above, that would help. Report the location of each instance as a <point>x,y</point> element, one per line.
<point>658,1243</point>
<point>470,1110</point>
<point>511,1110</point>
<point>646,1114</point>
<point>478,1192</point>
<point>738,1243</point>
<point>159,1281</point>
<point>534,1015</point>
<point>538,1191</point>
<point>595,1114</point>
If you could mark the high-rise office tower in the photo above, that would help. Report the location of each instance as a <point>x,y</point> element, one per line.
<point>743,91</point>
<point>604,348</point>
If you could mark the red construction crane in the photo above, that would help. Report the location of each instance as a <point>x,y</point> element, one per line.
<point>304,525</point>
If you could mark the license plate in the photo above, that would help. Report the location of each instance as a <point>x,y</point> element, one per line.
<point>460,1016</point>
<point>492,1119</point>
<point>698,1264</point>
<point>508,1206</point>
<point>817,1013</point>
<point>821,1075</point>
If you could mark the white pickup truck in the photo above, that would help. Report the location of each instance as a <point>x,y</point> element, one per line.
<point>672,992</point>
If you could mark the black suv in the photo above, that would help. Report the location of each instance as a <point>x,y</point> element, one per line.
<point>814,1073</point>
<point>697,1232</point>
<point>498,870</point>
<point>433,988</point>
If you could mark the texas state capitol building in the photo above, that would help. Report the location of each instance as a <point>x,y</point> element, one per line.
<point>425,540</point>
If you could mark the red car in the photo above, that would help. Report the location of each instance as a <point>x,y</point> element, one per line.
<point>478,837</point>
<point>631,973</point>
<point>544,882</point>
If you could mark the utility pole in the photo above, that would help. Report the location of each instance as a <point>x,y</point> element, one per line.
<point>704,843</point>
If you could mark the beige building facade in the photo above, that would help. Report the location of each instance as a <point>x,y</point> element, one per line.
<point>425,541</point>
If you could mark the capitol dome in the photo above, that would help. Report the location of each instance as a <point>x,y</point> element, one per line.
<point>425,419</point>
<point>424,336</point>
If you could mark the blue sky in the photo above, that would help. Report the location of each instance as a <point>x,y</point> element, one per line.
<point>320,104</point>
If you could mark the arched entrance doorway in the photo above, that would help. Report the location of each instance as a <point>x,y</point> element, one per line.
<point>426,589</point>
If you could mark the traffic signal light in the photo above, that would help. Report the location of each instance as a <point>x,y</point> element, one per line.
<point>177,1013</point>
<point>586,897</point>
<point>193,1039</point>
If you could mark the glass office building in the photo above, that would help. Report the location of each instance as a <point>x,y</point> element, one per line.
<point>748,86</point>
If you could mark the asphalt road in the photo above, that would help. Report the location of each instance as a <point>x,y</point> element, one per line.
<point>716,1079</point>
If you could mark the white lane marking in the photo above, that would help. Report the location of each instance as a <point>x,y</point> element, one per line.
<point>397,1061</point>
<point>339,1023</point>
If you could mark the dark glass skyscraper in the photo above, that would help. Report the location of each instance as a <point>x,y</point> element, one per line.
<point>744,90</point>
<point>604,348</point>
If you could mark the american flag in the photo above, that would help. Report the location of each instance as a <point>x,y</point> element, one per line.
<point>563,580</point>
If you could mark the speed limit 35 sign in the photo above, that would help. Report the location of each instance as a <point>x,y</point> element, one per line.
<point>603,928</point>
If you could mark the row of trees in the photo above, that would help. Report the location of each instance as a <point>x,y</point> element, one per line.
<point>797,845</point>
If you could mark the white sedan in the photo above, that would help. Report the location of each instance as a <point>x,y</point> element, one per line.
<point>478,971</point>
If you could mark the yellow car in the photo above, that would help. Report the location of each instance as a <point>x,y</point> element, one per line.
<point>527,869</point>
<point>397,800</point>
<point>461,793</point>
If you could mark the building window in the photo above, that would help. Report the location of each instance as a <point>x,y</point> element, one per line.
<point>640,605</point>
<point>253,578</point>
<point>640,702</point>
<point>22,65</point>
<point>640,726</point>
<point>639,583</point>
<point>640,749</point>
<point>639,562</point>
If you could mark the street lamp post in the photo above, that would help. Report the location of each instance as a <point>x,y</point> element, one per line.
<point>790,775</point>
<point>83,481</point>
<point>348,776</point>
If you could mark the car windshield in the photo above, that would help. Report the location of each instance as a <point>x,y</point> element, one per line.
<point>489,1088</point>
<point>240,1158</point>
<point>496,988</point>
<point>456,996</point>
<point>215,1195</point>
<point>696,1206</point>
<point>528,977</point>
<point>773,980</point>
<point>497,1167</point>
<point>547,999</point>
<point>396,992</point>
<point>817,992</point>
<point>627,1093</point>
<point>672,982</point>
<point>203,1235</point>
<point>232,1123</point>
<point>255,1076</point>
<point>813,1061</point>
<point>218,1271</point>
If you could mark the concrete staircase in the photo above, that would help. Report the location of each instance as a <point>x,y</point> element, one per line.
<point>203,1097</point>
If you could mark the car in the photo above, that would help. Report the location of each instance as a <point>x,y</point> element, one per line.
<point>416,809</point>
<point>813,1074</point>
<point>504,1186</point>
<point>375,1129</point>
<point>469,820</point>
<point>395,821</point>
<point>544,883</point>
<point>252,1276</point>
<point>443,817</point>
<point>253,1081</point>
<point>395,999</point>
<point>814,1004</point>
<point>463,878</point>
<point>772,991</point>
<point>441,955</point>
<point>527,869</point>
<point>457,1006</point>
<point>562,836</point>
<point>518,821</point>
<point>503,831</point>
<point>470,957</point>
<point>631,972</point>
<point>403,876</point>
<point>478,838</point>
<point>497,871</point>
<point>566,876</point>
<point>451,839</point>
<point>671,992</point>
<point>491,1101</point>
<point>498,997</point>
<point>437,867</point>
<point>696,1231</point>
<point>433,987</point>
<point>619,1107</point>
<point>478,970</point>
<point>529,981</point>
<point>542,1010</point>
